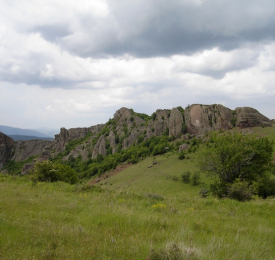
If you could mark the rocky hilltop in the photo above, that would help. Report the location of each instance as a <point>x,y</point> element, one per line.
<point>127,128</point>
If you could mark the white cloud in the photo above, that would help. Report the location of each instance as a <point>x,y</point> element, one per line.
<point>73,63</point>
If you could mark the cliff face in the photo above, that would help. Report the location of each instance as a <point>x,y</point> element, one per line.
<point>6,144</point>
<point>25,149</point>
<point>205,118</point>
<point>175,123</point>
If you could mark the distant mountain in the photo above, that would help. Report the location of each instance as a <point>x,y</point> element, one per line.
<point>27,137</point>
<point>7,130</point>
<point>48,131</point>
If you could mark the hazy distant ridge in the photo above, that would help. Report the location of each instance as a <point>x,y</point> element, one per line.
<point>28,137</point>
<point>7,130</point>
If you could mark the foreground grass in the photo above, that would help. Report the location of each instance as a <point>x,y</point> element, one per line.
<point>59,221</point>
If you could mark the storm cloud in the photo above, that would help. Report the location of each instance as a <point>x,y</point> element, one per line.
<point>85,59</point>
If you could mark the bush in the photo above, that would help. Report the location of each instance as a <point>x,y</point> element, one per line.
<point>154,115</point>
<point>196,178</point>
<point>186,177</point>
<point>204,192</point>
<point>235,156</point>
<point>241,190</point>
<point>231,156</point>
<point>181,156</point>
<point>266,187</point>
<point>159,149</point>
<point>50,172</point>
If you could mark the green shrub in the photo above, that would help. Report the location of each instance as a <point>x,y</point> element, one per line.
<point>186,177</point>
<point>204,192</point>
<point>241,190</point>
<point>266,187</point>
<point>196,178</point>
<point>181,156</point>
<point>50,172</point>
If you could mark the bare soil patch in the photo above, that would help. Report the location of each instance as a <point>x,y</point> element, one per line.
<point>108,174</point>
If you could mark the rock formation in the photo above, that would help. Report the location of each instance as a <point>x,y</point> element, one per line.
<point>250,117</point>
<point>128,128</point>
<point>6,144</point>
<point>25,149</point>
<point>175,123</point>
<point>205,118</point>
<point>183,147</point>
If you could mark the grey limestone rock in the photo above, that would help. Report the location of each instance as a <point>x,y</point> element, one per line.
<point>205,118</point>
<point>250,117</point>
<point>175,123</point>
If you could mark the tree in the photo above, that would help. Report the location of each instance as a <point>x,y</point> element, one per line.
<point>234,155</point>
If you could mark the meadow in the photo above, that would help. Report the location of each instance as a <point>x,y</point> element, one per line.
<point>139,213</point>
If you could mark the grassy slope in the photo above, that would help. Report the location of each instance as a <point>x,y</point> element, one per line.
<point>51,221</point>
<point>162,179</point>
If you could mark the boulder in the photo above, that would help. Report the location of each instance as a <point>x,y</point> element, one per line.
<point>183,147</point>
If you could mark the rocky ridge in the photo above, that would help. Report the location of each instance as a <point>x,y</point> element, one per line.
<point>128,128</point>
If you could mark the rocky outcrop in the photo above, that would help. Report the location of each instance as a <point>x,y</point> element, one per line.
<point>250,117</point>
<point>66,136</point>
<point>161,122</point>
<point>175,123</point>
<point>25,149</point>
<point>6,145</point>
<point>128,128</point>
<point>100,147</point>
<point>122,113</point>
<point>183,147</point>
<point>204,118</point>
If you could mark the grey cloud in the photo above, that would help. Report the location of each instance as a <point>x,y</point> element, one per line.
<point>52,33</point>
<point>161,28</point>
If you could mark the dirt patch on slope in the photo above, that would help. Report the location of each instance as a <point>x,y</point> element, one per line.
<point>108,174</point>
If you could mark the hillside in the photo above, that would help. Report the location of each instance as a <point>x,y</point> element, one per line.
<point>138,206</point>
<point>128,128</point>
<point>137,213</point>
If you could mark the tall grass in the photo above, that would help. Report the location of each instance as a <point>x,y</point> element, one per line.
<point>60,221</point>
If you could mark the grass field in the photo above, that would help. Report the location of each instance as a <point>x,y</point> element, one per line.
<point>140,213</point>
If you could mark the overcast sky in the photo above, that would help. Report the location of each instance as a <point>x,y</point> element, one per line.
<point>73,63</point>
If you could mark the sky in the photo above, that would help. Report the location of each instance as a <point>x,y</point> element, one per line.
<point>68,63</point>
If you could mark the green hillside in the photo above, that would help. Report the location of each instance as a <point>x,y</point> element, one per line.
<point>138,213</point>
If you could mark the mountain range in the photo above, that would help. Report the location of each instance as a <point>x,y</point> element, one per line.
<point>28,134</point>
